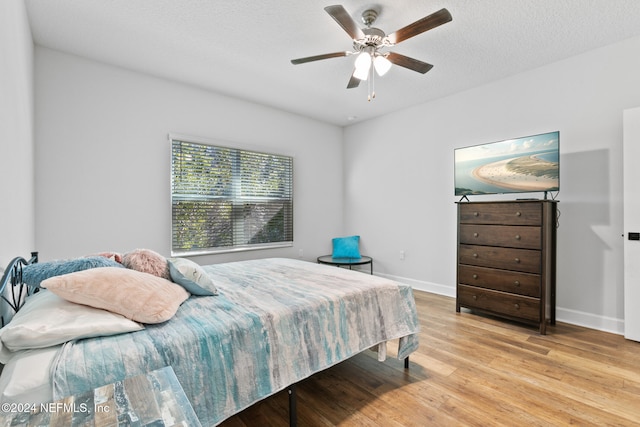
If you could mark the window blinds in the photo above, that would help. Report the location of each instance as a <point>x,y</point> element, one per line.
<point>229,199</point>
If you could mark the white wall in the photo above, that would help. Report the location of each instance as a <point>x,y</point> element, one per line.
<point>103,158</point>
<point>102,167</point>
<point>16,131</point>
<point>399,176</point>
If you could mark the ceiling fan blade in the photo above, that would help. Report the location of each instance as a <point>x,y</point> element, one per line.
<point>420,26</point>
<point>353,81</point>
<point>410,63</point>
<point>345,20</point>
<point>319,57</point>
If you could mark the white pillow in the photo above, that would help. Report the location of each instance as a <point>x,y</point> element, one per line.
<point>47,319</point>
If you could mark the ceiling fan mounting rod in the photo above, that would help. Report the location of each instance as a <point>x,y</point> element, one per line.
<point>369,16</point>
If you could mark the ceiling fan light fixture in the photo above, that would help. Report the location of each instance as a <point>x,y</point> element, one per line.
<point>381,64</point>
<point>362,64</point>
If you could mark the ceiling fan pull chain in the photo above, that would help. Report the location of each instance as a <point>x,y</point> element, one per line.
<point>372,86</point>
<point>369,80</point>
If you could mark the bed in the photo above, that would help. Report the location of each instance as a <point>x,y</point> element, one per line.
<point>273,323</point>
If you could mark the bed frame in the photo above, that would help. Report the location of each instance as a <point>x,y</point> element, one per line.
<point>18,291</point>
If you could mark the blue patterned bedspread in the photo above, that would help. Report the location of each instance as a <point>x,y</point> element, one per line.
<point>275,322</point>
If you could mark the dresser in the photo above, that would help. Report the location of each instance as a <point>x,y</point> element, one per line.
<point>507,259</point>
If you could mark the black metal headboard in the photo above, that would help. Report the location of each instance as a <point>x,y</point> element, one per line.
<point>18,290</point>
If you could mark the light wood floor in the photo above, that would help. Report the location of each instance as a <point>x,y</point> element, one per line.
<point>473,370</point>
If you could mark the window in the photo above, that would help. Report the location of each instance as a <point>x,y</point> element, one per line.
<point>226,199</point>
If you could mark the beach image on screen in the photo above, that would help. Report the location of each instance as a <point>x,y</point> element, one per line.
<point>528,164</point>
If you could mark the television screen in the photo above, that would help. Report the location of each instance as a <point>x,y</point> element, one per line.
<point>522,165</point>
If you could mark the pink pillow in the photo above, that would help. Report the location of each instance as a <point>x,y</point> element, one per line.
<point>147,261</point>
<point>114,256</point>
<point>135,295</point>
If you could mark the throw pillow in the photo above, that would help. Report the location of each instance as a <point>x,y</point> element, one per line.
<point>34,274</point>
<point>346,247</point>
<point>192,277</point>
<point>136,295</point>
<point>147,261</point>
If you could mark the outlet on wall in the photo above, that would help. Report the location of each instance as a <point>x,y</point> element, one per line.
<point>300,253</point>
<point>402,254</point>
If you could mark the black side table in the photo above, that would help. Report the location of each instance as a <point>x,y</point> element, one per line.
<point>344,262</point>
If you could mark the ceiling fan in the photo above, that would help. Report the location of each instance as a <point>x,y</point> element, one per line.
<point>368,43</point>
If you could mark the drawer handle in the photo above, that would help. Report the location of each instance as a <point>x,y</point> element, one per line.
<point>517,306</point>
<point>518,213</point>
<point>475,297</point>
<point>517,283</point>
<point>476,214</point>
<point>475,234</point>
<point>475,276</point>
<point>517,237</point>
<point>517,260</point>
<point>475,255</point>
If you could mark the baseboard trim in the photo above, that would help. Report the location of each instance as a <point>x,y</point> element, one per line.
<point>589,320</point>
<point>565,315</point>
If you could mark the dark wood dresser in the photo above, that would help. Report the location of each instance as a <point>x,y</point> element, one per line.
<point>507,259</point>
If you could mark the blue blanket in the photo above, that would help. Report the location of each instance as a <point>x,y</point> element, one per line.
<point>274,323</point>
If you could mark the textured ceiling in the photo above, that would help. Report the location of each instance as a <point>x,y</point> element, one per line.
<point>243,48</point>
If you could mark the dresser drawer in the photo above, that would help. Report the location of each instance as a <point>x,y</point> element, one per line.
<point>501,213</point>
<point>499,302</point>
<point>512,236</point>
<point>500,280</point>
<point>525,260</point>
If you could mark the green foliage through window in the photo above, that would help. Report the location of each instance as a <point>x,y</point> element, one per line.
<point>224,198</point>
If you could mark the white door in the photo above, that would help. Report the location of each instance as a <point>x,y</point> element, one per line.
<point>631,197</point>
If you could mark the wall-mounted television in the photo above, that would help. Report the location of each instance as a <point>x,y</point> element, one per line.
<point>522,165</point>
